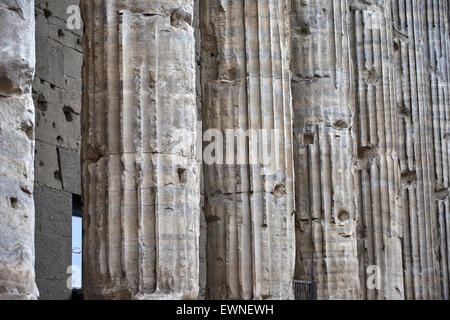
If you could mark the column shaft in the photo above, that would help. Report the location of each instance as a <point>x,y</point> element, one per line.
<point>139,174</point>
<point>324,148</point>
<point>376,129</point>
<point>435,20</point>
<point>17,64</point>
<point>246,90</point>
<point>420,230</point>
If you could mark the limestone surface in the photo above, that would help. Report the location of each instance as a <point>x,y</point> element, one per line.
<point>350,98</point>
<point>140,179</point>
<point>17,63</point>
<point>249,211</point>
<point>370,95</point>
<point>324,149</point>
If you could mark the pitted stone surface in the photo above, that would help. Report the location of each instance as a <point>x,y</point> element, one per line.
<point>140,178</point>
<point>17,62</point>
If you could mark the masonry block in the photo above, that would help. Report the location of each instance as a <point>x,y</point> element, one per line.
<point>70,170</point>
<point>47,171</point>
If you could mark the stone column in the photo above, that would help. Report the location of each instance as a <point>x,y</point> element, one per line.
<point>346,138</point>
<point>17,63</point>
<point>415,140</point>
<point>324,148</point>
<point>249,207</point>
<point>140,179</point>
<point>376,130</point>
<point>435,20</point>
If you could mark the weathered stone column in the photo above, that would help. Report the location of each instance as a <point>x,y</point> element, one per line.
<point>376,129</point>
<point>246,90</point>
<point>435,20</point>
<point>140,178</point>
<point>17,62</point>
<point>346,143</point>
<point>415,140</point>
<point>324,148</point>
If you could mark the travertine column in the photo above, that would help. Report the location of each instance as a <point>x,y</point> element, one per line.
<point>17,62</point>
<point>140,178</point>
<point>376,129</point>
<point>249,210</point>
<point>349,210</point>
<point>420,228</point>
<point>435,20</point>
<point>324,148</point>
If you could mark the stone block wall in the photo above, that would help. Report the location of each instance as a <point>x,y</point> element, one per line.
<point>57,97</point>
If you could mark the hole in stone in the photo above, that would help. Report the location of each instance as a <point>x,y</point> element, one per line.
<point>279,190</point>
<point>367,152</point>
<point>182,175</point>
<point>343,215</point>
<point>305,30</point>
<point>178,15</point>
<point>340,124</point>
<point>407,177</point>
<point>441,193</point>
<point>57,175</point>
<point>308,138</point>
<point>54,125</point>
<point>403,111</point>
<point>41,163</point>
<point>42,102</point>
<point>14,202</point>
<point>396,46</point>
<point>25,190</point>
<point>68,113</point>
<point>47,12</point>
<point>60,33</point>
<point>60,140</point>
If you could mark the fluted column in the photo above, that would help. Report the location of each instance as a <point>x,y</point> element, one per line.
<point>376,129</point>
<point>420,228</point>
<point>249,208</point>
<point>139,174</point>
<point>17,63</point>
<point>435,20</point>
<point>325,148</point>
